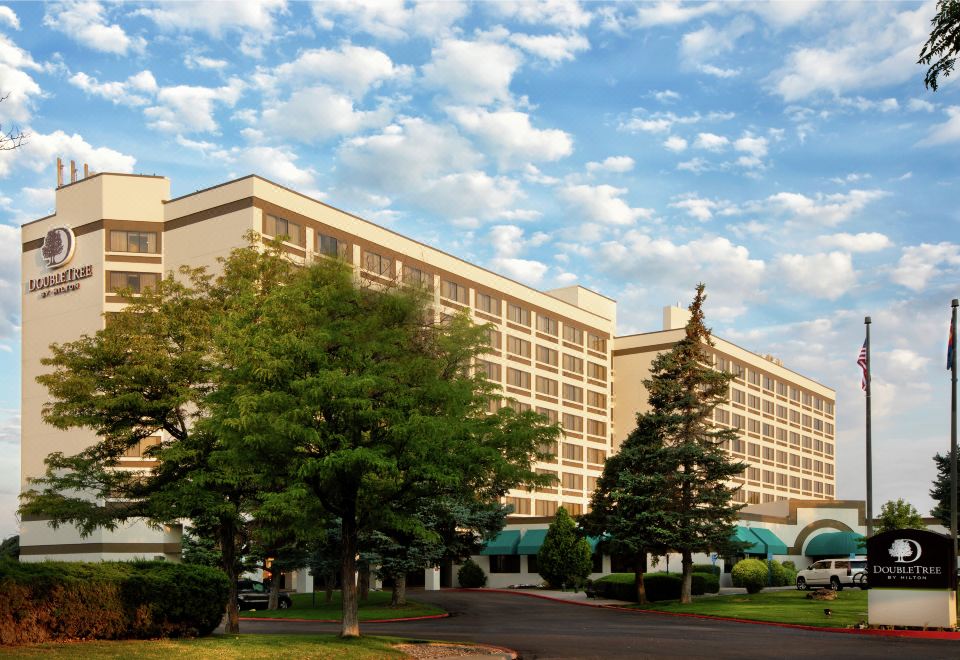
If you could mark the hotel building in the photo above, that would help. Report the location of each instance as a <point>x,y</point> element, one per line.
<point>550,351</point>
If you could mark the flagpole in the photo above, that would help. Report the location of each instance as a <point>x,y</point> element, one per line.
<point>866,321</point>
<point>953,427</point>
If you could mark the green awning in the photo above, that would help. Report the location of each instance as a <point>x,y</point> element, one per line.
<point>505,543</point>
<point>835,544</point>
<point>774,545</point>
<point>531,541</point>
<point>745,535</point>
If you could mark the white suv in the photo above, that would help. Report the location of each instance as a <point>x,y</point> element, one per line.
<point>833,573</point>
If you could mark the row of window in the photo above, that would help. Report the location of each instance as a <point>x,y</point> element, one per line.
<point>770,407</point>
<point>546,324</point>
<point>134,241</point>
<point>759,378</point>
<point>135,282</point>
<point>807,486</point>
<point>546,355</point>
<point>547,386</point>
<point>780,434</point>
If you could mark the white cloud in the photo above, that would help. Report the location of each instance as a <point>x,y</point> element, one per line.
<point>751,144</point>
<point>9,17</point>
<point>862,242</point>
<point>703,209</point>
<point>944,133</point>
<point>826,275</point>
<point>41,150</point>
<point>920,105</point>
<point>216,18</point>
<point>190,109</point>
<point>18,86</point>
<point>904,359</point>
<point>391,19</point>
<point>129,92</point>
<point>508,243</point>
<point>319,113</point>
<point>711,142</point>
<point>661,122</point>
<point>356,69</point>
<point>277,164</point>
<point>84,22</point>
<point>602,204</point>
<point>919,263</point>
<point>666,96</point>
<point>695,165</point>
<point>853,177</point>
<point>823,209</point>
<point>718,72</point>
<point>9,281</point>
<point>675,144</point>
<point>616,164</point>
<point>473,72</point>
<point>864,104</point>
<point>554,48</point>
<point>510,137</point>
<point>670,13</point>
<point>195,61</point>
<point>568,14</point>
<point>709,41</point>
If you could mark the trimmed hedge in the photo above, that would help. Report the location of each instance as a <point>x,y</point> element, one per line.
<point>659,586</point>
<point>751,574</point>
<point>54,601</point>
<point>471,576</point>
<point>706,568</point>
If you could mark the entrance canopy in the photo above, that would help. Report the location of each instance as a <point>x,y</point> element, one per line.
<point>505,543</point>
<point>835,544</point>
<point>531,541</point>
<point>773,543</point>
<point>743,534</point>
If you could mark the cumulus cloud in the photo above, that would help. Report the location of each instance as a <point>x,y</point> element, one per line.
<point>919,263</point>
<point>662,122</point>
<point>602,204</point>
<point>718,72</point>
<point>945,133</point>
<point>567,14</point>
<point>709,41</point>
<point>252,19</point>
<point>509,136</point>
<point>195,61</point>
<point>554,48</point>
<point>9,281</point>
<point>669,13</point>
<point>822,209</point>
<point>508,243</point>
<point>472,72</point>
<point>826,275</point>
<point>617,164</point>
<point>862,242</point>
<point>711,142</point>
<point>703,209</point>
<point>754,145</point>
<point>41,149</point>
<point>675,144</point>
<point>394,20</point>
<point>137,90</point>
<point>18,86</point>
<point>354,69</point>
<point>85,22</point>
<point>9,18</point>
<point>320,113</point>
<point>189,108</point>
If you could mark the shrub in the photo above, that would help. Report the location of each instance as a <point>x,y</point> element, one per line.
<point>707,568</point>
<point>618,586</point>
<point>471,576</point>
<point>750,574</point>
<point>789,565</point>
<point>705,583</point>
<point>564,559</point>
<point>110,600</point>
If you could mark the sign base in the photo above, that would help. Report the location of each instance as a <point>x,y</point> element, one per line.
<point>920,608</point>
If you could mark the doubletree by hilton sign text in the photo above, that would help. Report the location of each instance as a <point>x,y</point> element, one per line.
<point>910,559</point>
<point>57,250</point>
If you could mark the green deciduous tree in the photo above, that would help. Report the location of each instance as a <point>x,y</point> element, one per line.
<point>564,557</point>
<point>941,489</point>
<point>629,506</point>
<point>899,515</point>
<point>944,43</point>
<point>683,391</point>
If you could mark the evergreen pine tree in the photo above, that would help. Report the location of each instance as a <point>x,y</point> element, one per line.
<point>564,558</point>
<point>683,391</point>
<point>941,489</point>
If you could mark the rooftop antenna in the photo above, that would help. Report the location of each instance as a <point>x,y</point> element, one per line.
<point>59,172</point>
<point>73,171</point>
<point>86,170</point>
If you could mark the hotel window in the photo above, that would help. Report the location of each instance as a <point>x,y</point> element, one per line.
<point>753,450</point>
<point>818,425</point>
<point>807,442</point>
<point>828,469</point>
<point>794,460</point>
<point>807,463</point>
<point>828,428</point>
<point>828,448</point>
<point>493,338</point>
<point>572,481</point>
<point>768,407</point>
<point>595,427</point>
<point>754,377</point>
<point>489,304</point>
<point>782,389</point>
<point>794,417</point>
<point>133,241</point>
<point>818,466</point>
<point>596,399</point>
<point>817,403</point>
<point>136,282</point>
<point>591,484</point>
<point>575,508</point>
<point>489,369</point>
<point>768,477</point>
<point>738,396</point>
<point>795,483</point>
<point>753,402</point>
<point>141,448</point>
<point>519,407</point>
<point>807,399</point>
<point>418,278</point>
<point>547,386</point>
<point>753,474</point>
<point>572,423</point>
<point>281,227</point>
<point>572,452</point>
<point>332,246</point>
<point>596,342</point>
<point>738,370</point>
<point>806,420</point>
<point>817,444</point>
<point>518,314</point>
<point>738,445</point>
<point>794,394</point>
<point>521,505</point>
<point>546,508</point>
<point>518,378</point>
<point>828,408</point>
<point>517,346</point>
<point>455,292</point>
<point>781,479</point>
<point>378,264</point>
<point>782,457</point>
<point>596,371</point>
<point>723,364</point>
<point>551,415</point>
<point>549,448</point>
<point>753,426</point>
<point>596,456</point>
<point>829,489</point>
<point>767,383</point>
<point>547,324</point>
<point>782,435</point>
<point>768,453</point>
<point>739,421</point>
<point>818,487</point>
<point>504,563</point>
<point>722,416</point>
<point>547,355</point>
<point>572,393</point>
<point>807,483</point>
<point>572,334</point>
<point>752,497</point>
<point>794,439</point>
<point>782,412</point>
<point>768,430</point>
<point>573,364</point>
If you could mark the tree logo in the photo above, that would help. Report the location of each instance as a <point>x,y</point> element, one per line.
<point>58,246</point>
<point>906,551</point>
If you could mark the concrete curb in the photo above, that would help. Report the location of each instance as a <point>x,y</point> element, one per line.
<point>916,634</point>
<point>298,620</point>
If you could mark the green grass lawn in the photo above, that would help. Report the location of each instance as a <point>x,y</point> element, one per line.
<point>219,647</point>
<point>377,606</point>
<point>849,608</point>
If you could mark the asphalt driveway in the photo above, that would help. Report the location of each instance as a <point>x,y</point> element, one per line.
<point>540,628</point>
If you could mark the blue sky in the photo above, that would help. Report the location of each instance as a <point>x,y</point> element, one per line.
<point>786,154</point>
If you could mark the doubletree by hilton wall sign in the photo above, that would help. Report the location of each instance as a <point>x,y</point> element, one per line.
<point>911,559</point>
<point>58,247</point>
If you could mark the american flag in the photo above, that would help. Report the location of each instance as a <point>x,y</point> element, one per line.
<point>862,361</point>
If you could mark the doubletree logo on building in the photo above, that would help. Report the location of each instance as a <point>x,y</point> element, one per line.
<point>910,559</point>
<point>57,251</point>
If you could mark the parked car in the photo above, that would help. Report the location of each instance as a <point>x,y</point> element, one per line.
<point>833,573</point>
<point>253,595</point>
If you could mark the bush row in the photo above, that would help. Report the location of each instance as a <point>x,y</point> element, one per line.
<point>659,586</point>
<point>49,601</point>
<point>755,574</point>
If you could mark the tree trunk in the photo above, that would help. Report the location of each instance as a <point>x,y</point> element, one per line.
<point>398,597</point>
<point>640,567</point>
<point>274,600</point>
<point>350,627</point>
<point>329,582</point>
<point>687,580</point>
<point>363,581</point>
<point>229,559</point>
